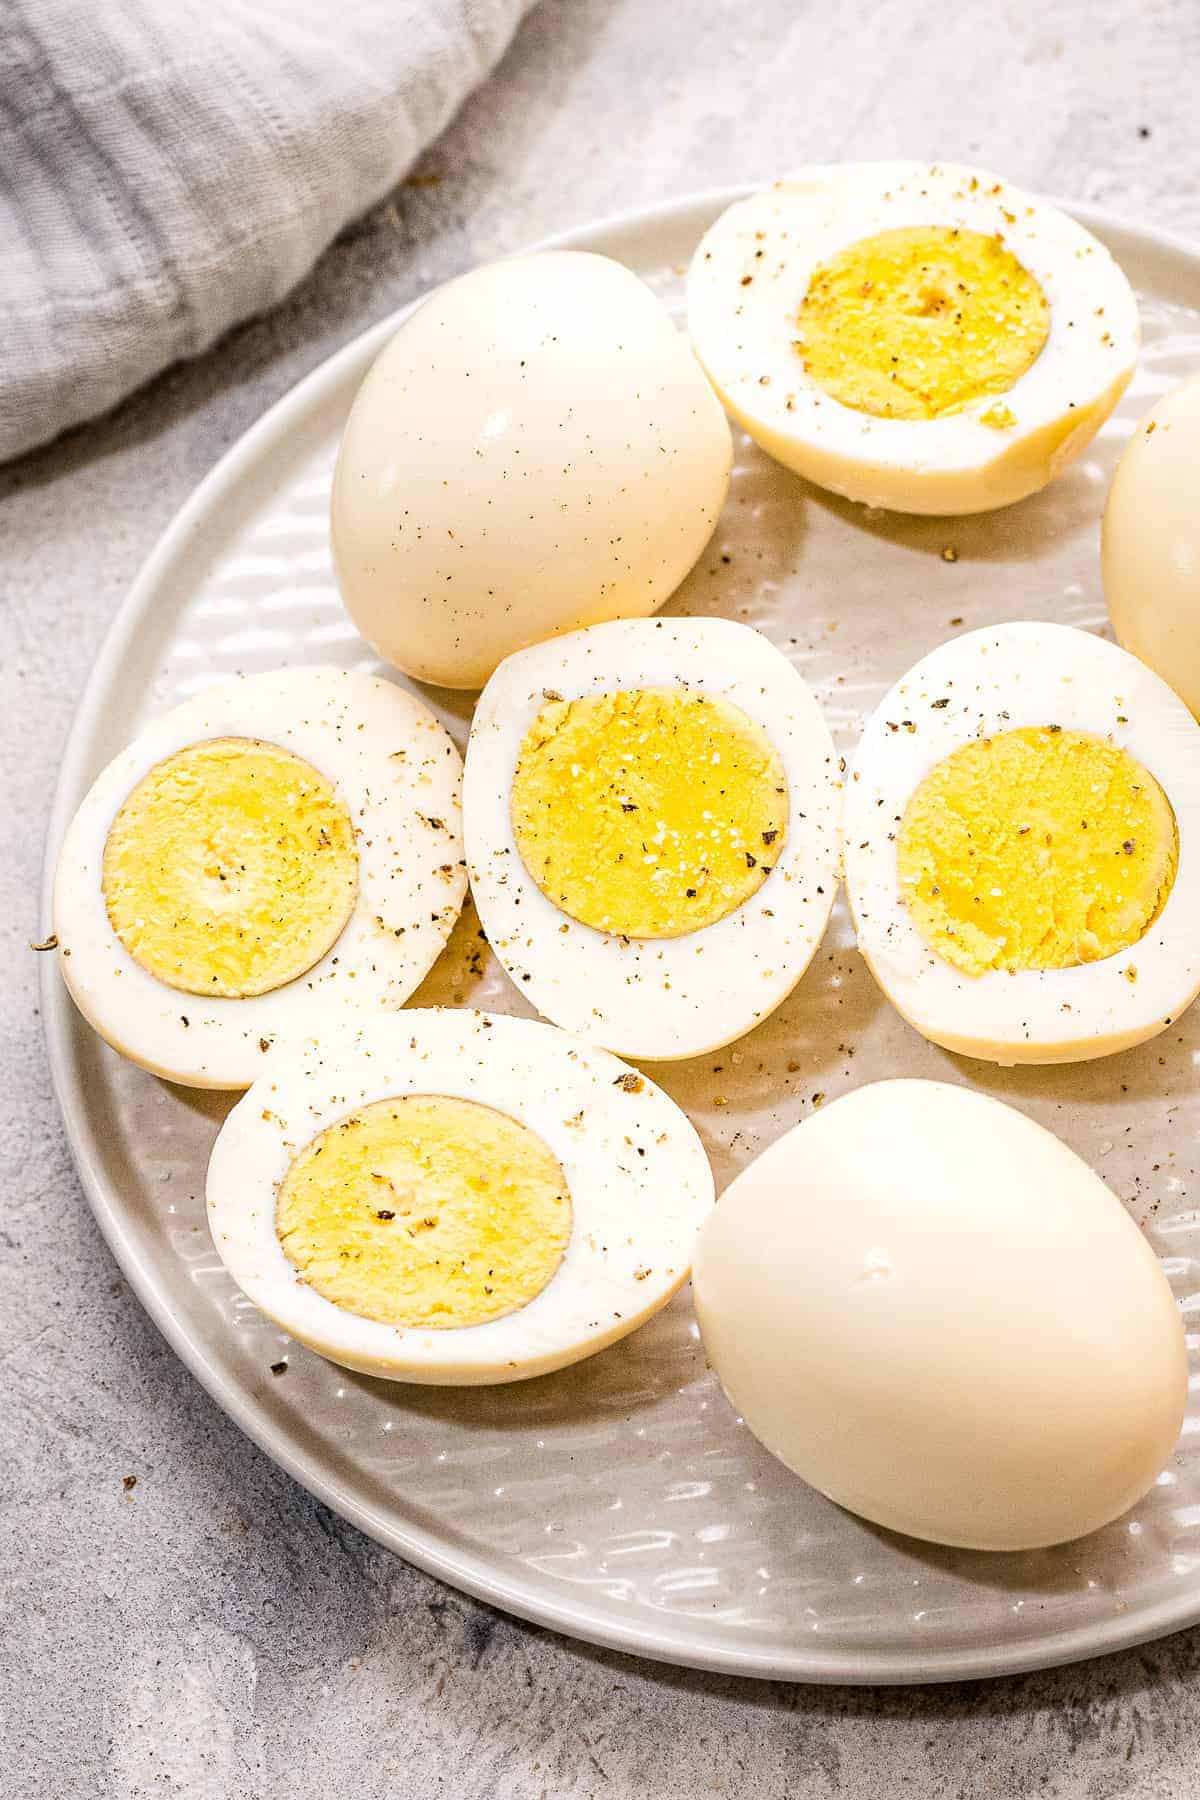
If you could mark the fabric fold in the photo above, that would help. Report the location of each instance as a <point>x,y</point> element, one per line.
<point>167,171</point>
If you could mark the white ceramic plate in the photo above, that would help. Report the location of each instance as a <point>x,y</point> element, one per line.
<point>621,1501</point>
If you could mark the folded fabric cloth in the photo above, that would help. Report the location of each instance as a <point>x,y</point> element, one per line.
<point>169,169</point>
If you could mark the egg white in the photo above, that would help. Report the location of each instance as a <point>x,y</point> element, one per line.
<point>1150,542</point>
<point>996,680</point>
<point>639,1181</point>
<point>663,998</point>
<point>535,450</point>
<point>743,335</point>
<point>959,1333</point>
<point>399,775</point>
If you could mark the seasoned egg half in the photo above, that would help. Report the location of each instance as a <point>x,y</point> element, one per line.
<point>535,450</point>
<point>921,337</point>
<point>1022,846</point>
<point>273,851</point>
<point>932,1310</point>
<point>650,810</point>
<point>446,1196</point>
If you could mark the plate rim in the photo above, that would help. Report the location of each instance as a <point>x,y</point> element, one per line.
<point>573,1618</point>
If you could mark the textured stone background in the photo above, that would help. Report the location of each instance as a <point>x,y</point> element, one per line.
<point>215,1633</point>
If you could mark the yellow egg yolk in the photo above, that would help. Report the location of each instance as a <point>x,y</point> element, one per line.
<point>648,813</point>
<point>426,1211</point>
<point>1036,849</point>
<point>231,868</point>
<point>920,322</point>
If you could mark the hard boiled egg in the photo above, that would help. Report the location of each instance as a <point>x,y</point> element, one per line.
<point>922,337</point>
<point>260,858</point>
<point>651,823</point>
<point>1022,846</point>
<point>934,1312</point>
<point>451,1197</point>
<point>1151,542</point>
<point>535,450</point>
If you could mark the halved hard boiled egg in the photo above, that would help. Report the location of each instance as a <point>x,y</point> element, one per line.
<point>650,810</point>
<point>268,853</point>
<point>451,1197</point>
<point>922,337</point>
<point>1022,846</point>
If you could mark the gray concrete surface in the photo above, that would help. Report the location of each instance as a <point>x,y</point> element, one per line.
<point>214,1633</point>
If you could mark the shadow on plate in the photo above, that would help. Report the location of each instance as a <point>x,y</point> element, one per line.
<point>1030,527</point>
<point>648,1367</point>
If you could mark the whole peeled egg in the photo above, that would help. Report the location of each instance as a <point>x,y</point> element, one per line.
<point>1151,542</point>
<point>931,1309</point>
<point>536,449</point>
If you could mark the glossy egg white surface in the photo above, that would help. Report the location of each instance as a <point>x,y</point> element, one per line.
<point>535,450</point>
<point>656,998</point>
<point>1151,542</point>
<point>638,1177</point>
<point>980,684</point>
<point>399,775</point>
<point>752,270</point>
<point>934,1312</point>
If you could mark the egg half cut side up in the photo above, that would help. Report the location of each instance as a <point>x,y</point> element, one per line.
<point>1022,847</point>
<point>455,1198</point>
<point>918,336</point>
<point>266,855</point>
<point>650,809</point>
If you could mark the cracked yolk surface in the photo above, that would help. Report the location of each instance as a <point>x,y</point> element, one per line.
<point>920,322</point>
<point>648,813</point>
<point>1036,849</point>
<point>231,868</point>
<point>426,1211</point>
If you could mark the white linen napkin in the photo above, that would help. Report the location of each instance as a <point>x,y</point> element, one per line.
<point>168,167</point>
